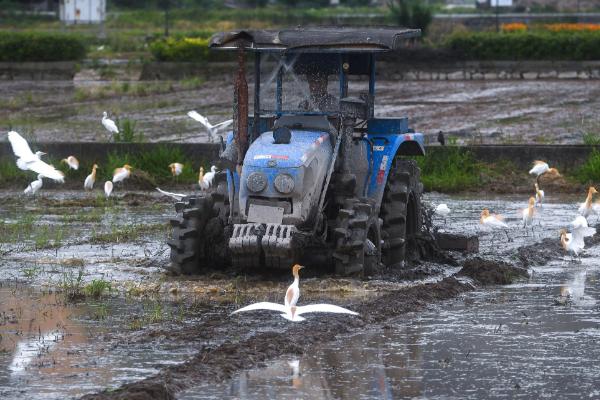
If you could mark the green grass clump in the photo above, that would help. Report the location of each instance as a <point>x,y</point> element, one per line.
<point>591,138</point>
<point>590,170</point>
<point>128,133</point>
<point>154,162</point>
<point>449,169</point>
<point>96,288</point>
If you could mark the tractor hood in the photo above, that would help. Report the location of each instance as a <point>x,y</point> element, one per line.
<point>302,146</point>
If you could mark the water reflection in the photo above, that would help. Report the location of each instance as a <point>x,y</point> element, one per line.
<point>508,342</point>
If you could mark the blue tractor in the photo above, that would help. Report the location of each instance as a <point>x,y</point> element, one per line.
<point>311,175</point>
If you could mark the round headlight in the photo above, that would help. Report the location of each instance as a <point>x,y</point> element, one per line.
<point>257,182</point>
<point>284,183</point>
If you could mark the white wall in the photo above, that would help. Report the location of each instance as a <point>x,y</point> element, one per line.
<point>82,11</point>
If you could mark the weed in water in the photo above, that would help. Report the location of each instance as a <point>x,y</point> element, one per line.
<point>96,288</point>
<point>71,284</point>
<point>101,312</point>
<point>127,132</point>
<point>31,272</point>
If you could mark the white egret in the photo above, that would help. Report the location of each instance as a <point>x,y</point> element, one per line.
<point>493,222</point>
<point>176,168</point>
<point>574,242</point>
<point>120,174</point>
<point>212,129</point>
<point>541,167</point>
<point>207,178</point>
<point>289,310</point>
<point>108,188</point>
<point>528,213</point>
<point>176,196</point>
<point>442,210</point>
<point>539,195</point>
<point>27,160</point>
<point>34,186</point>
<point>72,162</point>
<point>90,179</point>
<point>586,208</point>
<point>109,124</point>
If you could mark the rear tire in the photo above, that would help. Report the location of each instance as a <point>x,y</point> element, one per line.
<point>401,211</point>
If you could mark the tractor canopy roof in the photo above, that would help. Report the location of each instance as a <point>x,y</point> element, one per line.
<point>315,39</point>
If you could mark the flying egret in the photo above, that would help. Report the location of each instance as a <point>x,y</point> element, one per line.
<point>72,162</point>
<point>528,213</point>
<point>442,210</point>
<point>90,179</point>
<point>108,188</point>
<point>212,129</point>
<point>574,242</point>
<point>289,310</point>
<point>109,124</point>
<point>176,168</point>
<point>176,196</point>
<point>586,208</point>
<point>34,186</point>
<point>539,195</point>
<point>120,174</point>
<point>493,222</point>
<point>540,168</point>
<point>27,160</point>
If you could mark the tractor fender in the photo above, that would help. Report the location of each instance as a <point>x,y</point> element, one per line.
<point>385,148</point>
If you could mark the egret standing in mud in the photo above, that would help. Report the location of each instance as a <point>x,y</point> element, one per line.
<point>205,181</point>
<point>72,162</point>
<point>108,188</point>
<point>120,174</point>
<point>493,222</point>
<point>527,214</point>
<point>88,184</point>
<point>34,186</point>
<point>109,124</point>
<point>442,210</point>
<point>586,208</point>
<point>539,195</point>
<point>289,310</point>
<point>28,161</point>
<point>212,129</point>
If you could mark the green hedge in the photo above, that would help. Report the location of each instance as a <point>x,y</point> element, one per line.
<point>37,46</point>
<point>526,46</point>
<point>187,49</point>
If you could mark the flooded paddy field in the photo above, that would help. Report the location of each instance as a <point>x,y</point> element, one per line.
<point>501,112</point>
<point>87,309</point>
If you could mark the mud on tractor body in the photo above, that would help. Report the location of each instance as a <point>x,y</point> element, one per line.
<point>311,176</point>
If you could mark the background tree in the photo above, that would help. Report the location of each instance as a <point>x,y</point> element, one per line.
<point>413,14</point>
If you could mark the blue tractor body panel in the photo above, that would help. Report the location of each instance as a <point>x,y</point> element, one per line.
<point>303,144</point>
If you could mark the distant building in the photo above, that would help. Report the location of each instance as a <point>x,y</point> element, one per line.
<point>82,11</point>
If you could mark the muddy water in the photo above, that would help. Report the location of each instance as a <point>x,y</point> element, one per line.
<point>523,340</point>
<point>54,349</point>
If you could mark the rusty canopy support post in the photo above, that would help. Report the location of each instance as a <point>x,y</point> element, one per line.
<point>240,108</point>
